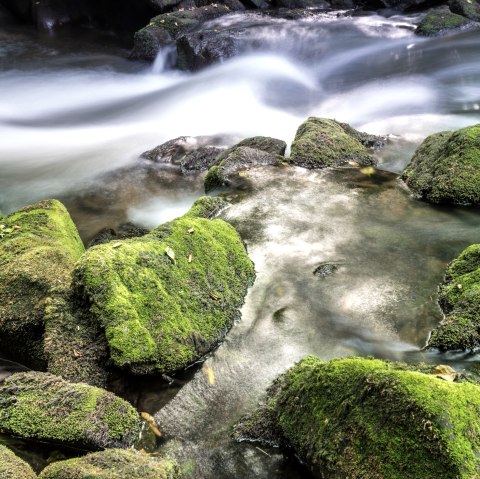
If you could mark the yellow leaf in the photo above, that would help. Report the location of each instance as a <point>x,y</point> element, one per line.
<point>208,371</point>
<point>368,170</point>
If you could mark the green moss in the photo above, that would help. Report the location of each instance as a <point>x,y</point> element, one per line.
<point>207,207</point>
<point>214,179</point>
<point>321,142</point>
<point>459,297</point>
<point>440,21</point>
<point>166,299</point>
<point>369,419</point>
<point>39,245</point>
<point>446,167</point>
<point>12,467</point>
<point>45,407</point>
<point>264,143</point>
<point>466,8</point>
<point>112,464</point>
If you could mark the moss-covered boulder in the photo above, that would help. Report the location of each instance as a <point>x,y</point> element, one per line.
<point>44,407</point>
<point>39,246</point>
<point>459,297</point>
<point>12,467</point>
<point>372,419</point>
<point>321,143</point>
<point>113,464</point>
<point>466,8</point>
<point>446,167</point>
<point>167,298</point>
<point>227,168</point>
<point>440,21</point>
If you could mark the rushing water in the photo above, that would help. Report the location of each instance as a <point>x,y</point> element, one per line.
<point>75,115</point>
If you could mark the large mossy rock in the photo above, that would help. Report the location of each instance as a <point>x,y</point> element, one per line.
<point>440,21</point>
<point>167,298</point>
<point>321,143</point>
<point>112,464</point>
<point>39,246</point>
<point>249,153</point>
<point>446,167</point>
<point>12,467</point>
<point>44,407</point>
<point>459,298</point>
<point>372,419</point>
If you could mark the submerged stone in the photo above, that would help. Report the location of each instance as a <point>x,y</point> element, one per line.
<point>113,464</point>
<point>12,467</point>
<point>227,168</point>
<point>446,167</point>
<point>44,407</point>
<point>39,246</point>
<point>459,297</point>
<point>371,419</point>
<point>167,298</point>
<point>320,143</point>
<point>440,21</point>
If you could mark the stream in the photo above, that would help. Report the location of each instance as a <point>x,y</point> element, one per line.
<point>75,114</point>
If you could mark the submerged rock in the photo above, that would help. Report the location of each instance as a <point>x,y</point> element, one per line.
<point>251,152</point>
<point>371,419</point>
<point>321,143</point>
<point>39,246</point>
<point>114,464</point>
<point>44,407</point>
<point>167,298</point>
<point>12,467</point>
<point>446,167</point>
<point>440,21</point>
<point>459,297</point>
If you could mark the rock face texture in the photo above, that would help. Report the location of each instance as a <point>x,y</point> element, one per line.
<point>367,418</point>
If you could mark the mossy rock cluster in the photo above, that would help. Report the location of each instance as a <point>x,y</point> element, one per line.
<point>442,20</point>
<point>446,167</point>
<point>12,467</point>
<point>112,464</point>
<point>321,142</point>
<point>44,407</point>
<point>459,297</point>
<point>371,419</point>
<point>228,166</point>
<point>39,245</point>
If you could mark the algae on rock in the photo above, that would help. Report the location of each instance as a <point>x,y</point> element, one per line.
<point>440,21</point>
<point>45,407</point>
<point>39,246</point>
<point>112,464</point>
<point>372,419</point>
<point>459,298</point>
<point>12,467</point>
<point>166,299</point>
<point>446,167</point>
<point>320,143</point>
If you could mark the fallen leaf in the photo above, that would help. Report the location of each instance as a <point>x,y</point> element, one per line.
<point>151,423</point>
<point>191,231</point>
<point>190,257</point>
<point>170,253</point>
<point>368,170</point>
<point>116,245</point>
<point>445,372</point>
<point>214,295</point>
<point>208,371</point>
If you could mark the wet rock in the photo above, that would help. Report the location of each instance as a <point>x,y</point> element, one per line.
<point>191,154</point>
<point>466,8</point>
<point>321,143</point>
<point>44,407</point>
<point>12,467</point>
<point>446,167</point>
<point>440,21</point>
<point>166,28</point>
<point>167,298</point>
<point>124,231</point>
<point>459,297</point>
<point>228,167</point>
<point>39,246</point>
<point>114,464</point>
<point>326,269</point>
<point>371,419</point>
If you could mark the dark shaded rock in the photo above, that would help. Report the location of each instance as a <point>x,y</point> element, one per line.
<point>39,246</point>
<point>114,464</point>
<point>149,41</point>
<point>321,143</point>
<point>12,467</point>
<point>446,167</point>
<point>440,21</point>
<point>326,269</point>
<point>459,297</point>
<point>466,8</point>
<point>44,407</point>
<point>371,419</point>
<point>249,153</point>
<point>124,231</point>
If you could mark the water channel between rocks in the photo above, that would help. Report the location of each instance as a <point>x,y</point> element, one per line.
<point>74,118</point>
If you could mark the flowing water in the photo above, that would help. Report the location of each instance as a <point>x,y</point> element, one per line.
<point>75,115</point>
